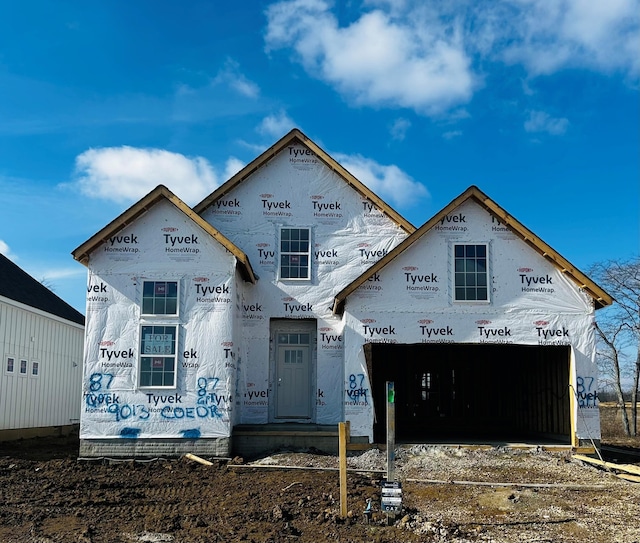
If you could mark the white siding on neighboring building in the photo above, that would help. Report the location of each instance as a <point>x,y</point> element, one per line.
<point>53,396</point>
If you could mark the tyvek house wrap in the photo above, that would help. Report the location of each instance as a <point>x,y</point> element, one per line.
<point>348,235</point>
<point>162,245</point>
<point>410,301</point>
<point>225,371</point>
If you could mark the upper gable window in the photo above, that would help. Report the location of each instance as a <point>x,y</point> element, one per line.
<point>295,253</point>
<point>471,273</point>
<point>160,298</point>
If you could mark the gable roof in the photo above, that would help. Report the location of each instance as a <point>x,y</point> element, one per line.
<point>296,136</point>
<point>19,286</point>
<point>601,298</point>
<point>161,193</point>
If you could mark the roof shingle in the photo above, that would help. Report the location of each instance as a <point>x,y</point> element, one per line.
<point>19,286</point>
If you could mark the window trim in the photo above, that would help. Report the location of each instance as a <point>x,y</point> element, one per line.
<point>162,315</point>
<point>35,364</point>
<point>174,355</point>
<point>23,363</point>
<point>308,253</point>
<point>13,365</point>
<point>487,246</point>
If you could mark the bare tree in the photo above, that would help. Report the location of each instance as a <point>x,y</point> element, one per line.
<point>618,328</point>
<point>612,362</point>
<point>48,283</point>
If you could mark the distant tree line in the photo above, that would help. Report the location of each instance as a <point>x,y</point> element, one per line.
<point>610,395</point>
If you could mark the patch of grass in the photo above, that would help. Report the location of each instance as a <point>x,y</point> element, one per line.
<point>611,426</point>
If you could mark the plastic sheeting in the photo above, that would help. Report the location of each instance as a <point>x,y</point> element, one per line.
<point>163,245</point>
<point>226,359</point>
<point>531,303</point>
<point>226,366</point>
<point>348,235</point>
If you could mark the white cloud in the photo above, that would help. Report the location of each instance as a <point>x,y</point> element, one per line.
<point>428,56</point>
<point>4,249</point>
<point>389,182</point>
<point>232,167</point>
<point>52,274</point>
<point>231,75</point>
<point>452,134</point>
<point>540,121</point>
<point>547,36</point>
<point>399,129</point>
<point>417,63</point>
<point>276,125</point>
<point>125,174</point>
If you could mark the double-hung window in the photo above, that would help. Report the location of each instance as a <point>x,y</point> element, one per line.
<point>159,335</point>
<point>471,273</point>
<point>160,298</point>
<point>158,360</point>
<point>295,253</point>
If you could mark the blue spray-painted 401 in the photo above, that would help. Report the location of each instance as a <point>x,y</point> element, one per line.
<point>127,411</point>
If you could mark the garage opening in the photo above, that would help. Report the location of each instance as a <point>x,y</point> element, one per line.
<point>471,392</point>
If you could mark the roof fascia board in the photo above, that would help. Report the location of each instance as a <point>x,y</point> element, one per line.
<point>293,136</point>
<point>360,187</point>
<point>245,172</point>
<point>81,254</point>
<point>340,298</point>
<point>40,312</point>
<point>246,268</point>
<point>600,296</point>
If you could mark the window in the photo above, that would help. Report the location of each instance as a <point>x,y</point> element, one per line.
<point>11,362</point>
<point>295,253</point>
<point>158,342</point>
<point>158,356</point>
<point>23,367</point>
<point>293,339</point>
<point>471,277</point>
<point>160,298</point>
<point>35,369</point>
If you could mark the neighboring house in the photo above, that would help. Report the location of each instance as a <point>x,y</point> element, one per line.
<point>42,339</point>
<point>289,296</point>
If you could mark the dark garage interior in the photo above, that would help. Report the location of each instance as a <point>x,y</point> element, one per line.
<point>472,392</point>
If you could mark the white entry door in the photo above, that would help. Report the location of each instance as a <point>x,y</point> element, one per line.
<point>293,375</point>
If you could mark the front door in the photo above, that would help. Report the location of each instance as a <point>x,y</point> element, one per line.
<point>293,372</point>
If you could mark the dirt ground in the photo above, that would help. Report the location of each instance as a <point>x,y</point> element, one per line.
<point>47,495</point>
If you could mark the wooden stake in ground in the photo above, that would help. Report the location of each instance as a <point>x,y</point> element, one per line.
<point>342,449</point>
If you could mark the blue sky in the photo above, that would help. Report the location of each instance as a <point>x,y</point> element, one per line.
<point>534,101</point>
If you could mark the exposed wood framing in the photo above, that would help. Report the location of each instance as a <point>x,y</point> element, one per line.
<point>293,137</point>
<point>600,297</point>
<point>631,472</point>
<point>161,193</point>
